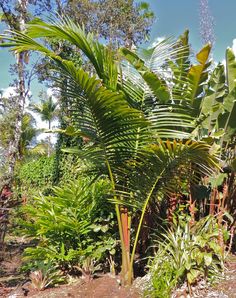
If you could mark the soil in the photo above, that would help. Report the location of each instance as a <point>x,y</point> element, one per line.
<point>13,284</point>
<point>102,287</point>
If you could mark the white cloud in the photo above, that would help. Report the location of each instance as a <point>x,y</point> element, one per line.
<point>54,92</point>
<point>9,92</point>
<point>44,126</point>
<point>224,62</point>
<point>12,92</point>
<point>44,136</point>
<point>157,40</point>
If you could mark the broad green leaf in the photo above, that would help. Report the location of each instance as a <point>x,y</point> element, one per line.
<point>231,69</point>
<point>212,104</point>
<point>203,55</point>
<point>217,180</point>
<point>208,259</point>
<point>193,275</point>
<point>197,76</point>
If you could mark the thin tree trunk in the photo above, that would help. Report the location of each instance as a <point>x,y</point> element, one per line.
<point>13,149</point>
<point>49,138</point>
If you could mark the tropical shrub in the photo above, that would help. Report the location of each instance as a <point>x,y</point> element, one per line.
<point>35,175</point>
<point>32,175</point>
<point>187,252</point>
<point>73,224</point>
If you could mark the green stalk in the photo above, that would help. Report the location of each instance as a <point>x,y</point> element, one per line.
<point>130,274</point>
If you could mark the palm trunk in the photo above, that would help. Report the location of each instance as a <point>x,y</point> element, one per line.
<point>49,138</point>
<point>125,223</point>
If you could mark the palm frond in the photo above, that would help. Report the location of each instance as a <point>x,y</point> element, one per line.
<point>160,169</point>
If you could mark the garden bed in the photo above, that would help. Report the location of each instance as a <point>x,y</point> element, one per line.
<point>14,284</point>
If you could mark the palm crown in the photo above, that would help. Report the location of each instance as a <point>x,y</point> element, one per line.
<point>47,109</point>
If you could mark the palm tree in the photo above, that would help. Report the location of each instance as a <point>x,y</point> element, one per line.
<point>47,109</point>
<point>125,121</point>
<point>28,133</point>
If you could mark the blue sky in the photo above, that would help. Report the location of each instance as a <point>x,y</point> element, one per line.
<point>172,18</point>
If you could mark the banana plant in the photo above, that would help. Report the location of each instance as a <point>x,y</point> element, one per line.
<point>125,139</point>
<point>211,94</point>
<point>218,106</point>
<point>227,119</point>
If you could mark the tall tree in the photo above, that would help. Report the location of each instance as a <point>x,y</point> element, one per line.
<point>16,21</point>
<point>119,22</point>
<point>47,109</point>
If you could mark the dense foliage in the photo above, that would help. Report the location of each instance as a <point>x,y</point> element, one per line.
<point>76,222</point>
<point>36,175</point>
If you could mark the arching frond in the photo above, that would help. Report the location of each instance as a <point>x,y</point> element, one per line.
<point>161,168</point>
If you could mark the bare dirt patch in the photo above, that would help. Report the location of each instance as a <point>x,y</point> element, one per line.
<point>102,287</point>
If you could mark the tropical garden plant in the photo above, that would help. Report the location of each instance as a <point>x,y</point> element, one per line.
<point>187,252</point>
<point>45,275</point>
<point>71,226</point>
<point>139,127</point>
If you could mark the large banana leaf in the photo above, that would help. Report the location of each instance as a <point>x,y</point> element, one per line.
<point>212,104</point>
<point>197,77</point>
<point>219,102</point>
<point>227,120</point>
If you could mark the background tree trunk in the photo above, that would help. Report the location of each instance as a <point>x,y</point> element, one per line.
<point>13,148</point>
